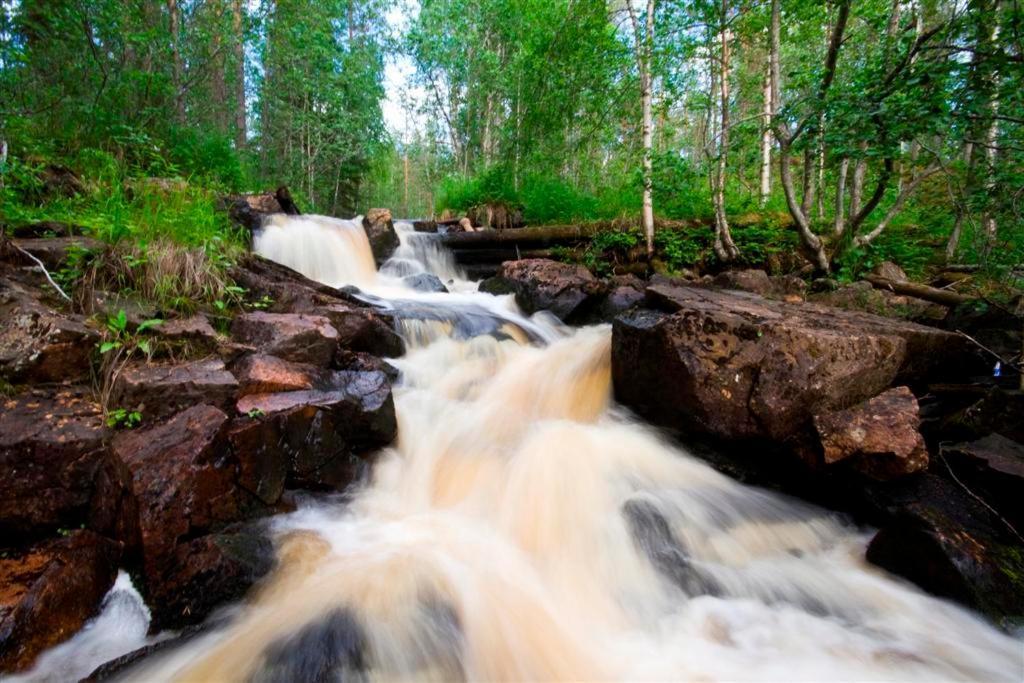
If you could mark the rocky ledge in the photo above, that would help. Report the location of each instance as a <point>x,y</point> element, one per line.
<point>295,397</point>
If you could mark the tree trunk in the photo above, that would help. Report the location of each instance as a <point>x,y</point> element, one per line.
<point>238,26</point>
<point>178,73</point>
<point>724,247</point>
<point>766,137</point>
<point>839,220</point>
<point>644,42</point>
<point>218,71</point>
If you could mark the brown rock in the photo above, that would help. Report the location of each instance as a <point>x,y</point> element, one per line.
<point>297,337</point>
<point>756,281</point>
<point>250,210</point>
<point>568,291</point>
<point>321,434</point>
<point>196,331</point>
<point>182,478</point>
<point>49,591</point>
<point>878,437</point>
<point>161,389</point>
<point>262,374</point>
<point>380,230</point>
<point>363,329</point>
<point>993,468</point>
<point>890,271</point>
<point>57,470</point>
<point>53,251</point>
<point>38,344</point>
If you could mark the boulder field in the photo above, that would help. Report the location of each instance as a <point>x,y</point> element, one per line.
<point>295,397</point>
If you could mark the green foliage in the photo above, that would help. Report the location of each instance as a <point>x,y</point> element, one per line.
<point>681,248</point>
<point>119,336</point>
<point>121,418</point>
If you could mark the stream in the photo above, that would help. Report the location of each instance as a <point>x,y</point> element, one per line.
<point>525,527</point>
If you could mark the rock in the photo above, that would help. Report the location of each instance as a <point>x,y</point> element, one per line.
<point>53,251</point>
<point>424,282</point>
<point>297,337</point>
<point>39,344</point>
<point>993,468</point>
<point>262,374</point>
<point>364,329</point>
<point>759,282</point>
<point>424,226</point>
<point>890,271</point>
<point>365,362</point>
<point>47,229</point>
<point>950,544</point>
<point>59,181</point>
<point>381,233</point>
<point>289,291</point>
<point>210,571</point>
<point>195,332</point>
<point>465,225</point>
<point>250,210</point>
<point>878,437</point>
<point>737,366</point>
<point>161,389</point>
<point>862,296</point>
<point>183,481</point>
<point>496,216</point>
<point>48,592</point>
<point>568,291</point>
<point>624,292</point>
<point>58,472</point>
<point>321,434</point>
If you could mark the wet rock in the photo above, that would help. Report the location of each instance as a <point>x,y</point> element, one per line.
<point>568,291</point>
<point>48,591</point>
<point>878,437</point>
<point>182,479</point>
<point>653,536</point>
<point>297,337</point>
<point>288,290</point>
<point>993,468</point>
<point>250,210</point>
<point>358,361</point>
<point>161,389</point>
<point>737,366</point>
<point>364,329</point>
<point>53,251</point>
<point>39,344</point>
<point>425,282</point>
<point>262,374</point>
<point>209,571</point>
<point>380,230</point>
<point>624,292</point>
<point>950,544</point>
<point>331,648</point>
<point>319,437</point>
<point>424,226</point>
<point>57,470</point>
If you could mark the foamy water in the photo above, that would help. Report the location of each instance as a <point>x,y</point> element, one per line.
<point>523,527</point>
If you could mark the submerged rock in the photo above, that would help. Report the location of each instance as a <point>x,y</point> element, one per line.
<point>878,437</point>
<point>425,282</point>
<point>380,230</point>
<point>48,591</point>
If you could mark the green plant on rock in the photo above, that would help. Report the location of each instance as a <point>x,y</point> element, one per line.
<point>118,346</point>
<point>122,418</point>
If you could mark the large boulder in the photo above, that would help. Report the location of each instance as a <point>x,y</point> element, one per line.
<point>298,337</point>
<point>183,482</point>
<point>950,543</point>
<point>380,230</point>
<point>49,591</point>
<point>39,344</point>
<point>993,468</point>
<point>161,389</point>
<point>878,437</point>
<point>759,282</point>
<point>569,291</point>
<point>58,472</point>
<point>313,438</point>
<point>365,330</point>
<point>425,282</point>
<point>737,366</point>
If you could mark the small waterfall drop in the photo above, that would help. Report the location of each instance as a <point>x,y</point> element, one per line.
<point>523,527</point>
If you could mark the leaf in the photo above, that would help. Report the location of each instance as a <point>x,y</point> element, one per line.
<point>146,324</point>
<point>109,346</point>
<point>144,347</point>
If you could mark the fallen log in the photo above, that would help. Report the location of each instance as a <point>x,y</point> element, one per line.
<point>918,291</point>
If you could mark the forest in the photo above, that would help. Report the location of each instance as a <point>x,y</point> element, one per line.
<point>511,340</point>
<point>855,132</point>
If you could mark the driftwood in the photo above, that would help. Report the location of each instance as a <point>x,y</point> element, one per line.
<point>924,292</point>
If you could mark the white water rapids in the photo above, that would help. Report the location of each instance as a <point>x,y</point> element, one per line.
<point>525,528</point>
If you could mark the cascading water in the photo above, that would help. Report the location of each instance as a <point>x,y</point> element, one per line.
<point>523,527</point>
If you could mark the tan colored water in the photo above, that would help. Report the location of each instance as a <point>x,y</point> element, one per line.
<point>524,528</point>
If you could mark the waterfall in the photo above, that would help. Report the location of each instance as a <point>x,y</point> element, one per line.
<point>524,527</point>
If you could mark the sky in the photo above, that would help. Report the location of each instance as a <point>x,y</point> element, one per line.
<point>398,77</point>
